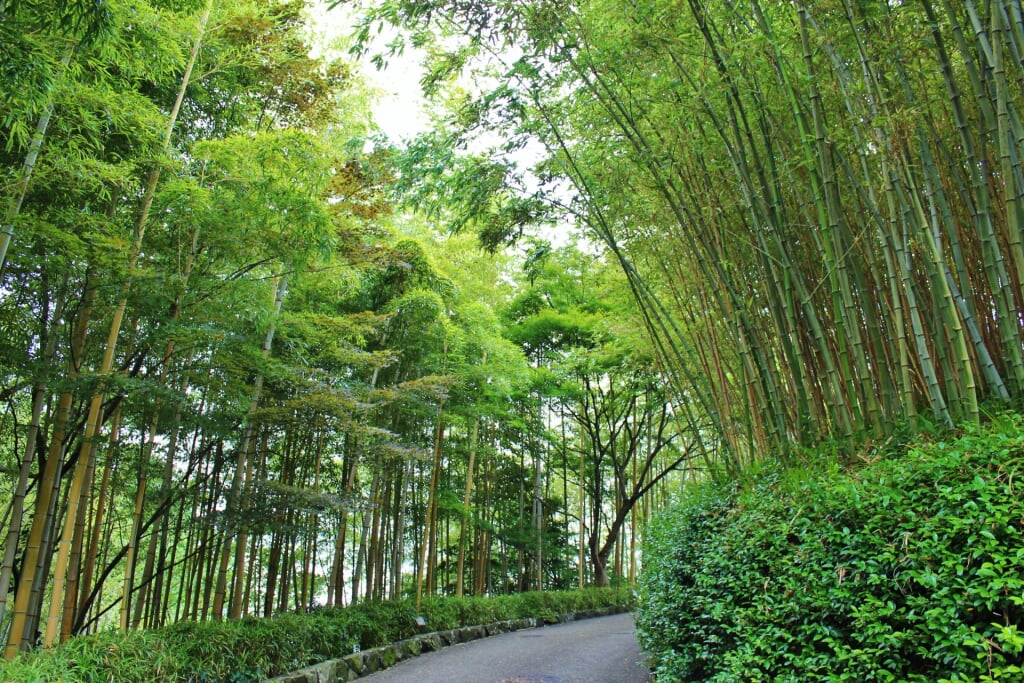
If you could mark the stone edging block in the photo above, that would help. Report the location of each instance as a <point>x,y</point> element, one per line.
<point>359,664</point>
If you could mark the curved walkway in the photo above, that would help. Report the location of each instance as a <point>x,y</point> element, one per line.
<point>600,650</point>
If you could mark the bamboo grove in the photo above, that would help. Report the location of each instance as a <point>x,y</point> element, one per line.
<point>818,206</point>
<point>236,381</point>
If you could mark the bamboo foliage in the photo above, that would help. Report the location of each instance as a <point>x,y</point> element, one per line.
<point>72,534</point>
<point>819,212</point>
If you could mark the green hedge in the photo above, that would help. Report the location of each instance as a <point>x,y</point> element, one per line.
<point>910,568</point>
<point>253,649</point>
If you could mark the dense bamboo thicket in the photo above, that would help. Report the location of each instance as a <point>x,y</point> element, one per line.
<point>236,382</point>
<point>818,205</point>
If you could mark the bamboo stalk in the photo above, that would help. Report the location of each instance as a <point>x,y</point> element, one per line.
<point>29,589</point>
<point>32,438</point>
<point>429,525</point>
<point>466,514</point>
<point>234,500</point>
<point>92,423</point>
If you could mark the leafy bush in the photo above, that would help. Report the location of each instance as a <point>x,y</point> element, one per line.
<point>907,569</point>
<point>250,650</point>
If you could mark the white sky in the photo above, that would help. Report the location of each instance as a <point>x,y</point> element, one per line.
<point>398,110</point>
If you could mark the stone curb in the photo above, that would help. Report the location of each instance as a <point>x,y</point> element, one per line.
<point>359,664</point>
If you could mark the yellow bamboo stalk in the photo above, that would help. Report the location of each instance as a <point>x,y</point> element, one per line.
<point>92,422</point>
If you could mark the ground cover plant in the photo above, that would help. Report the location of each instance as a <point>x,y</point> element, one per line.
<point>250,650</point>
<point>909,568</point>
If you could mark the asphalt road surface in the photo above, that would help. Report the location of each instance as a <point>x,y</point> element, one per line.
<point>601,650</point>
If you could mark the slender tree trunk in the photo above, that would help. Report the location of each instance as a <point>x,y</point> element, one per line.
<point>398,542</point>
<point>350,469</point>
<point>234,502</point>
<point>93,421</point>
<point>242,542</point>
<point>633,526</point>
<point>364,535</point>
<point>483,577</point>
<point>374,556</point>
<point>429,529</point>
<point>309,551</point>
<point>74,618</point>
<point>160,533</point>
<point>28,595</point>
<point>32,441</point>
<point>466,513</point>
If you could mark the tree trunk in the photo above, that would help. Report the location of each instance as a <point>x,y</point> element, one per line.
<point>93,421</point>
<point>234,500</point>
<point>28,594</point>
<point>75,618</point>
<point>429,529</point>
<point>398,540</point>
<point>32,441</point>
<point>364,536</point>
<point>466,514</point>
<point>337,584</point>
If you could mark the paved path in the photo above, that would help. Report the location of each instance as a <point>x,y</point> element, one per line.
<point>601,650</point>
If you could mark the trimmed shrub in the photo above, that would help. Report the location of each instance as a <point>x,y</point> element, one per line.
<point>907,569</point>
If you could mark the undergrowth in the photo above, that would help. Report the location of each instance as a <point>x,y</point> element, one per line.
<point>908,568</point>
